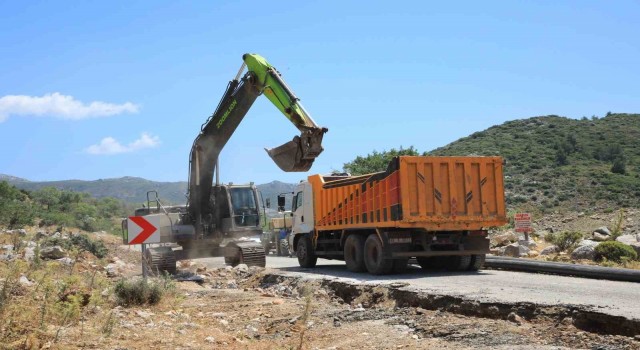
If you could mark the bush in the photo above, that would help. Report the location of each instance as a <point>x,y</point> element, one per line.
<point>615,251</point>
<point>81,242</point>
<point>138,292</point>
<point>565,240</point>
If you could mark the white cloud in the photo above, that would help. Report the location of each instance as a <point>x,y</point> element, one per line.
<point>59,106</point>
<point>109,145</point>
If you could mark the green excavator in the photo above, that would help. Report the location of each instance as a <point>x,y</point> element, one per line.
<point>217,216</point>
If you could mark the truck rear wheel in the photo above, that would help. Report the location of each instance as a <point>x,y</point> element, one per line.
<point>477,262</point>
<point>305,253</point>
<point>373,256</point>
<point>458,262</point>
<point>354,253</point>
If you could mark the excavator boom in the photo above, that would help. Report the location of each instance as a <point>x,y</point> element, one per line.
<point>295,155</point>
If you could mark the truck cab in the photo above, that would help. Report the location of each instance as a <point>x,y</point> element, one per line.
<point>302,209</point>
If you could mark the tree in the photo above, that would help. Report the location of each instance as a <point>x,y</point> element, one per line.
<point>48,196</point>
<point>376,161</point>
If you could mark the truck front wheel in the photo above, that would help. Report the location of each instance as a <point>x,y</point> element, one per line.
<point>354,253</point>
<point>305,253</point>
<point>374,257</point>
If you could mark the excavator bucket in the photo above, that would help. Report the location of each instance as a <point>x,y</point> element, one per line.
<point>298,154</point>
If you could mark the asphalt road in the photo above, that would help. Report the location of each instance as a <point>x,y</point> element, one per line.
<point>610,297</point>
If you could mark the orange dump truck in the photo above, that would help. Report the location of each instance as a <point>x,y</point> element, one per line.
<point>434,209</point>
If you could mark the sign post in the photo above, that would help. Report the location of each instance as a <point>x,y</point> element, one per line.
<point>143,230</point>
<point>523,224</point>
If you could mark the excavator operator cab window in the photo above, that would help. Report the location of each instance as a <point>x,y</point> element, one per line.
<point>245,210</point>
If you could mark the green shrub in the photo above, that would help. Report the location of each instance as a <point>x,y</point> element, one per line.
<point>615,251</point>
<point>81,242</point>
<point>565,240</point>
<point>138,292</point>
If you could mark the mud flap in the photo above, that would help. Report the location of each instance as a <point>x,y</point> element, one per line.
<point>298,154</point>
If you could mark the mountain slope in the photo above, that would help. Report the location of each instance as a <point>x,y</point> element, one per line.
<point>134,189</point>
<point>556,162</point>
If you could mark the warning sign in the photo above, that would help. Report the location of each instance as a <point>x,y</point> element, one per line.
<point>523,222</point>
<point>143,229</point>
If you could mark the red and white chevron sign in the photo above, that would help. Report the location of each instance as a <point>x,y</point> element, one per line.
<point>143,229</point>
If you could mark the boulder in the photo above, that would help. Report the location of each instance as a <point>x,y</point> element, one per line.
<point>29,253</point>
<point>529,244</point>
<point>552,249</point>
<point>603,230</point>
<point>65,261</point>
<point>586,252</point>
<point>627,239</point>
<point>599,237</point>
<point>503,239</point>
<point>588,242</point>
<point>516,250</point>
<point>55,252</point>
<point>7,248</point>
<point>40,235</point>
<point>25,281</point>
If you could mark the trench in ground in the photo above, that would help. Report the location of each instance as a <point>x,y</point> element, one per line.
<point>371,295</point>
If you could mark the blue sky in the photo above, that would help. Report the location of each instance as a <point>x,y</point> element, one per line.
<point>377,74</point>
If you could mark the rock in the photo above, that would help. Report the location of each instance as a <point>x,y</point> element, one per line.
<point>29,253</point>
<point>529,244</point>
<point>552,249</point>
<point>224,322</point>
<point>504,239</point>
<point>599,237</point>
<point>533,253</point>
<point>588,242</point>
<point>515,250</point>
<point>40,235</point>
<point>603,230</point>
<point>7,257</point>
<point>627,239</point>
<point>7,248</point>
<point>144,314</point>
<point>55,252</point>
<point>242,268</point>
<point>515,318</point>
<point>25,281</point>
<point>231,284</point>
<point>65,261</point>
<point>210,339</point>
<point>586,252</point>
<point>56,235</point>
<point>112,270</point>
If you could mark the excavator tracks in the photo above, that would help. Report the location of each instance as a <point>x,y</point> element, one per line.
<point>159,260</point>
<point>249,253</point>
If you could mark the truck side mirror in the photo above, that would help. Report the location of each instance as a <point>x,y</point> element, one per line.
<point>268,202</point>
<point>281,201</point>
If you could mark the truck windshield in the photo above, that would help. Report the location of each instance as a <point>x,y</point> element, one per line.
<point>245,210</point>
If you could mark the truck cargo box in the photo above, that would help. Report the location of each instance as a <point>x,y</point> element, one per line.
<point>430,193</point>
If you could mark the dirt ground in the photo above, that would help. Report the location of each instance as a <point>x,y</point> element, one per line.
<point>246,308</point>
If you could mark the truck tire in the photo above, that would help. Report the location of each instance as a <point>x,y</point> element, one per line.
<point>477,262</point>
<point>373,257</point>
<point>284,247</point>
<point>458,262</point>
<point>354,253</point>
<point>305,253</point>
<point>400,265</point>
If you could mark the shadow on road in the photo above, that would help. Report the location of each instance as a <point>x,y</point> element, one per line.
<point>413,272</point>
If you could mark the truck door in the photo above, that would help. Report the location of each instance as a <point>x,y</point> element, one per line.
<point>302,209</point>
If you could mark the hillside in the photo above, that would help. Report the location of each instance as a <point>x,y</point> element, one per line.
<point>134,189</point>
<point>556,162</point>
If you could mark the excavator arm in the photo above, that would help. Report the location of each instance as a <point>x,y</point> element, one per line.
<point>241,93</point>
